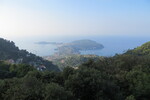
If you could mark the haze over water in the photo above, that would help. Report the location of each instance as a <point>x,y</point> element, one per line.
<point>112,44</point>
<point>117,24</point>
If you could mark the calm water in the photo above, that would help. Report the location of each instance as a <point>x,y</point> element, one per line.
<point>112,44</point>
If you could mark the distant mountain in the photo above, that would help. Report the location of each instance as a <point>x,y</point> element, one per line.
<point>76,46</point>
<point>141,50</point>
<point>86,45</point>
<point>9,52</point>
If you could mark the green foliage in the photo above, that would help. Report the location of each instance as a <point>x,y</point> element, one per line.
<point>122,77</point>
<point>67,72</point>
<point>4,70</point>
<point>56,92</point>
<point>21,69</point>
<point>10,71</point>
<point>25,89</point>
<point>4,66</point>
<point>48,77</point>
<point>131,97</point>
<point>91,84</point>
<point>139,82</point>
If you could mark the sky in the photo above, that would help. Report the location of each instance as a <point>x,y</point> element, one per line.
<point>35,18</point>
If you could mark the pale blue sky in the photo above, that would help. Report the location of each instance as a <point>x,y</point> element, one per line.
<point>26,18</point>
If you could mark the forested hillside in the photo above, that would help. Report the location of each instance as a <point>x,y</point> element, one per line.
<point>10,53</point>
<point>122,77</point>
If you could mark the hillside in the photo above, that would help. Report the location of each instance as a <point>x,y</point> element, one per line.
<point>122,77</point>
<point>141,50</point>
<point>77,59</point>
<point>12,54</point>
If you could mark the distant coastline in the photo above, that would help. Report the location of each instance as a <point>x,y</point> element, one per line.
<point>74,47</point>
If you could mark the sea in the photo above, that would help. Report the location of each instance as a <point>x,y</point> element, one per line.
<point>112,44</point>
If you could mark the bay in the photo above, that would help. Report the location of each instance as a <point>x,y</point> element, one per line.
<point>112,44</point>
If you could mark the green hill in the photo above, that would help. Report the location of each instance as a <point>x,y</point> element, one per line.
<point>141,50</point>
<point>12,54</point>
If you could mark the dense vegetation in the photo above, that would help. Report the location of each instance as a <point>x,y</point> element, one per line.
<point>8,51</point>
<point>122,77</point>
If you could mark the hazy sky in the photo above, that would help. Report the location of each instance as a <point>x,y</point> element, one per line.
<point>25,18</point>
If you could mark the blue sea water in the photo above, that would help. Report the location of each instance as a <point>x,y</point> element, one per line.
<point>112,44</point>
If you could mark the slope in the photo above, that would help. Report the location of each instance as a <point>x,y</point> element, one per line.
<point>12,54</point>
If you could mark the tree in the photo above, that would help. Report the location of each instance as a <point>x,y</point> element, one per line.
<point>138,80</point>
<point>67,72</point>
<point>21,69</point>
<point>90,84</point>
<point>25,89</point>
<point>55,92</point>
<point>131,97</point>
